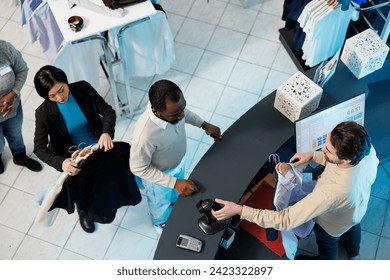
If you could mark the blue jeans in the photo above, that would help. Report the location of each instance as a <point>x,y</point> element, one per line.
<point>328,246</point>
<point>11,130</point>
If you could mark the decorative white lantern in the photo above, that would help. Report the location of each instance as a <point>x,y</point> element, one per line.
<point>364,53</point>
<point>298,97</point>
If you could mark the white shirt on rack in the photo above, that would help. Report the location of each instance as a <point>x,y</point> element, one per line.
<point>325,29</point>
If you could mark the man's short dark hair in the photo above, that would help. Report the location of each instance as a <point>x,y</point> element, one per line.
<point>351,141</point>
<point>46,78</point>
<point>161,91</point>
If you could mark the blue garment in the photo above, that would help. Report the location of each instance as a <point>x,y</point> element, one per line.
<point>359,2</point>
<point>76,122</point>
<point>11,129</point>
<point>160,198</point>
<point>28,8</point>
<point>328,245</point>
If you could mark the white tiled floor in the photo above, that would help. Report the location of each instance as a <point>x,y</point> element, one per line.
<point>227,59</point>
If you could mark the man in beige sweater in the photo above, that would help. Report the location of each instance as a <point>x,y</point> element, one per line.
<point>158,148</point>
<point>339,200</point>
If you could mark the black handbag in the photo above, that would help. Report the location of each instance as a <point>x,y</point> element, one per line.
<point>115,4</point>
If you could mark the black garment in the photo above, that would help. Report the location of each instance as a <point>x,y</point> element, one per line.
<point>103,185</point>
<point>52,139</point>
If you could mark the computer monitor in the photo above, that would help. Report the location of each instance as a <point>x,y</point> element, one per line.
<point>311,131</point>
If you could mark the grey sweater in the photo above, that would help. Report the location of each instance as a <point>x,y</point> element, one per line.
<point>13,74</point>
<point>155,148</point>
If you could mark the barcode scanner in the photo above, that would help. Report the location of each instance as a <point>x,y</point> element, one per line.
<point>208,223</point>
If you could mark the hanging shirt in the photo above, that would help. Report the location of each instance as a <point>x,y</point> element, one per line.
<point>325,30</point>
<point>76,122</point>
<point>146,48</point>
<point>43,27</point>
<point>28,7</point>
<point>89,52</point>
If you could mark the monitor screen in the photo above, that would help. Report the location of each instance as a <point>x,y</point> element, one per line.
<point>310,132</point>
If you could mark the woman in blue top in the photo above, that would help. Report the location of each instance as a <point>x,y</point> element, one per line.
<point>71,115</point>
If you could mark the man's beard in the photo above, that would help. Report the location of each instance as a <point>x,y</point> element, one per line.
<point>330,161</point>
<point>174,122</point>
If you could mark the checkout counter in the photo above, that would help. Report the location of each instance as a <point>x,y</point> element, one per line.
<point>229,166</point>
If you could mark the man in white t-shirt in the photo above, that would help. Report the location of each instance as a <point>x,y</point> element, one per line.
<point>339,199</point>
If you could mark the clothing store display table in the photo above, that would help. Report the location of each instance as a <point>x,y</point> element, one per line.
<point>94,22</point>
<point>228,167</point>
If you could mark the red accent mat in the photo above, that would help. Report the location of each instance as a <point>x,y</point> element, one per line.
<point>261,197</point>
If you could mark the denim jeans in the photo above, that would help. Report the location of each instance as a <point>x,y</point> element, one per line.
<point>328,246</point>
<point>11,130</point>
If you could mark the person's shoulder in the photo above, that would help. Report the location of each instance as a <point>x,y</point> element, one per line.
<point>5,44</point>
<point>144,127</point>
<point>6,47</point>
<point>80,88</point>
<point>42,108</point>
<point>81,83</point>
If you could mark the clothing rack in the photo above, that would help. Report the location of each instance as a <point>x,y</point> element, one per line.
<point>119,104</point>
<point>287,36</point>
<point>384,33</point>
<point>375,7</point>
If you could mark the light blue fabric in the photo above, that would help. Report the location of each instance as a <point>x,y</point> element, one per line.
<point>76,122</point>
<point>288,192</point>
<point>161,199</point>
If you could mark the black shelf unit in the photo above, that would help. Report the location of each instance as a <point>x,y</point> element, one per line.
<point>287,39</point>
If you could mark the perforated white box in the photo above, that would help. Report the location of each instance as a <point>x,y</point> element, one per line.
<point>364,53</point>
<point>298,97</point>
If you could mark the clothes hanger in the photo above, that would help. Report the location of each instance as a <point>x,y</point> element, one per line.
<point>333,3</point>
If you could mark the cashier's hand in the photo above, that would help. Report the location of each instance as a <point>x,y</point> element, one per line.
<point>105,142</point>
<point>301,158</point>
<point>212,130</point>
<point>229,209</point>
<point>185,187</point>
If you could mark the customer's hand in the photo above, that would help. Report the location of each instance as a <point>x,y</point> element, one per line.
<point>6,103</point>
<point>301,158</point>
<point>185,187</point>
<point>228,210</point>
<point>6,108</point>
<point>212,130</point>
<point>105,142</point>
<point>70,167</point>
<point>282,167</point>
